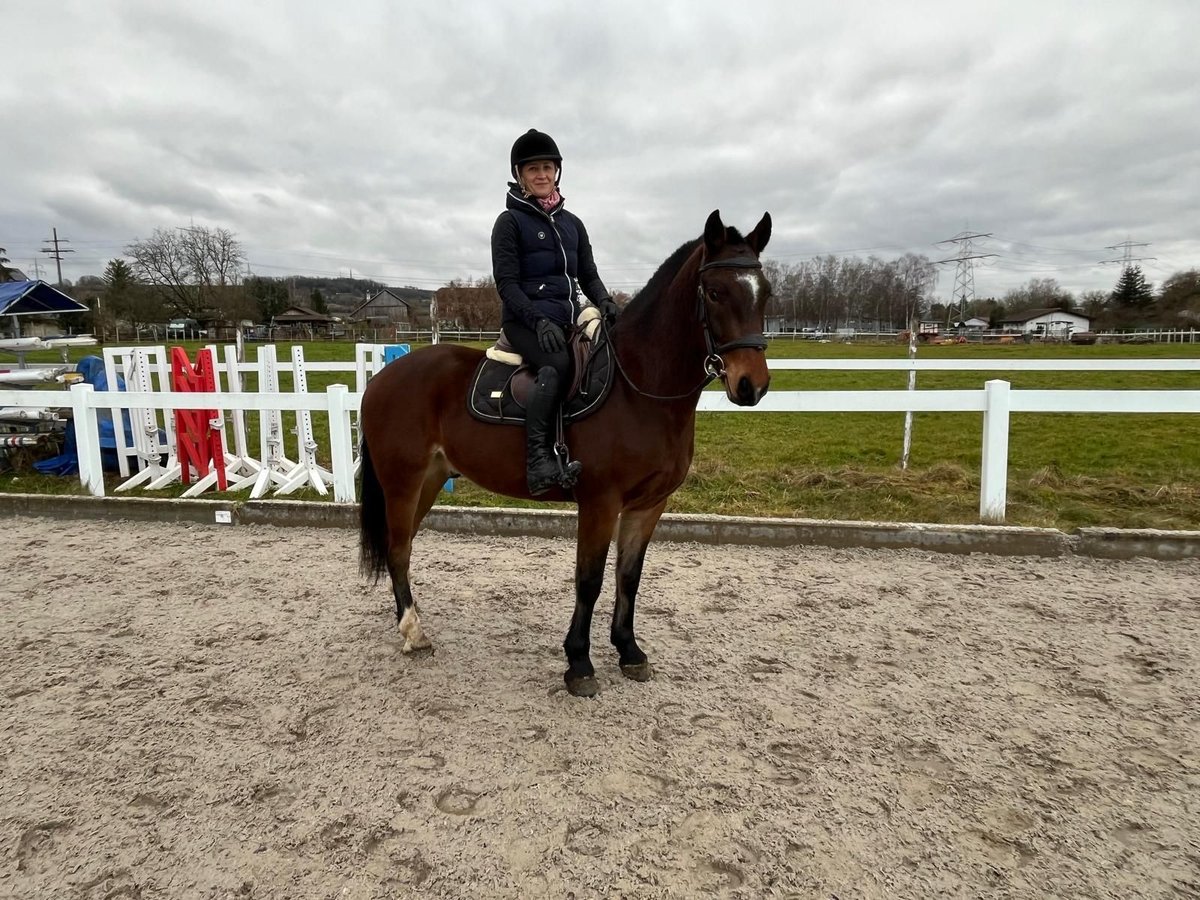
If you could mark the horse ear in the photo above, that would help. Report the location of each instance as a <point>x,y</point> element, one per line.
<point>714,233</point>
<point>761,234</point>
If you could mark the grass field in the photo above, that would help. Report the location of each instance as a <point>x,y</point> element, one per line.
<point>1064,470</point>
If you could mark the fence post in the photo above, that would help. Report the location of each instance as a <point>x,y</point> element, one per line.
<point>993,489</point>
<point>341,451</point>
<point>87,439</point>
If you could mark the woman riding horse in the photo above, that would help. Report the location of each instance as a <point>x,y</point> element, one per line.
<point>541,259</point>
<point>699,317</point>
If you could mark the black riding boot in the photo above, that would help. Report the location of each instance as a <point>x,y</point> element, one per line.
<point>542,468</point>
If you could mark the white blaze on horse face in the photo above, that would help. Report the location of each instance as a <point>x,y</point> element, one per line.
<point>750,280</point>
<point>414,635</point>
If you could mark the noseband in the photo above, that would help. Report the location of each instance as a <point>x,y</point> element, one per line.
<point>714,365</point>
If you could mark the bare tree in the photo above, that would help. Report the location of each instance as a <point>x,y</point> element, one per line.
<point>915,278</point>
<point>1038,293</point>
<point>1179,299</point>
<point>470,305</point>
<point>191,268</point>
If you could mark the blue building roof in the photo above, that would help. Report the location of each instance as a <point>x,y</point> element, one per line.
<point>35,298</point>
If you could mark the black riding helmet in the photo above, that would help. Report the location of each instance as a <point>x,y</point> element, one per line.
<point>532,146</point>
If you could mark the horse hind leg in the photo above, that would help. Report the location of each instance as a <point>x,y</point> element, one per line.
<point>408,513</point>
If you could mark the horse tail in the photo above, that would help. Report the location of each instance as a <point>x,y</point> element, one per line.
<point>372,520</point>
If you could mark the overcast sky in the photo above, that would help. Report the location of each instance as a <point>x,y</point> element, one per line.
<point>374,136</point>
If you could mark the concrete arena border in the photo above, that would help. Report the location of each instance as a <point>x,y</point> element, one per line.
<point>1003,540</point>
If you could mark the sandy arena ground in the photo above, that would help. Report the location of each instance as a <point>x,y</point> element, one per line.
<point>219,712</point>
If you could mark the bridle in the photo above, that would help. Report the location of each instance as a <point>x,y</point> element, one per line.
<point>714,365</point>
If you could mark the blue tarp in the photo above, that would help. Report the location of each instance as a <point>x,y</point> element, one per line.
<point>35,298</point>
<point>67,462</point>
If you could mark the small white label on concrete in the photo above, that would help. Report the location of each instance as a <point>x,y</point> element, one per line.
<point>224,517</point>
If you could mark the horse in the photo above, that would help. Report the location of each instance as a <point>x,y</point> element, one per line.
<point>699,317</point>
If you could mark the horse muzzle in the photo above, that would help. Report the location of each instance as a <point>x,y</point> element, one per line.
<point>746,377</point>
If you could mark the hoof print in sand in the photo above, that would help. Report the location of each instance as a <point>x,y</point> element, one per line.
<point>586,839</point>
<point>427,762</point>
<point>715,875</point>
<point>534,734</point>
<point>35,841</point>
<point>458,801</point>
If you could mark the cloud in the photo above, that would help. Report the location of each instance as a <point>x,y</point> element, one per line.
<point>375,136</point>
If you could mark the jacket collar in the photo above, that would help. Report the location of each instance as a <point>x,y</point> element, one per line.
<point>517,200</point>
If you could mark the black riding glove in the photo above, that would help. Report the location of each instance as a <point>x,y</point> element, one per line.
<point>550,337</point>
<point>609,309</point>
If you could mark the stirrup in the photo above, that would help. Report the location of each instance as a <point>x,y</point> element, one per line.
<point>568,469</point>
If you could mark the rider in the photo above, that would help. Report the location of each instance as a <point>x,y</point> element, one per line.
<point>542,261</point>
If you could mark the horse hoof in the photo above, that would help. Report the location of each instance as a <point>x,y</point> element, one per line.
<point>637,671</point>
<point>417,652</point>
<point>587,686</point>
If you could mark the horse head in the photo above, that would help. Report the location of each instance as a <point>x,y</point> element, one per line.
<point>733,294</point>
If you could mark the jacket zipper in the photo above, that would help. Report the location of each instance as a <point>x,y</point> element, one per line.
<point>566,269</point>
<point>561,249</point>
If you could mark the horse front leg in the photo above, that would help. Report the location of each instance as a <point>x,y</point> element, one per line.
<point>596,524</point>
<point>633,537</point>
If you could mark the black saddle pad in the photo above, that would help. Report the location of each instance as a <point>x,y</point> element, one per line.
<point>499,391</point>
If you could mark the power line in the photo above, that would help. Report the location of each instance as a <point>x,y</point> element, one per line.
<point>1075,250</point>
<point>56,252</point>
<point>962,297</point>
<point>1127,259</point>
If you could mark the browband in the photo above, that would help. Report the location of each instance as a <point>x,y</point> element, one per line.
<point>738,262</point>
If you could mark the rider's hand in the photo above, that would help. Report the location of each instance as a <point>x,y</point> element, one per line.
<point>609,309</point>
<point>550,337</point>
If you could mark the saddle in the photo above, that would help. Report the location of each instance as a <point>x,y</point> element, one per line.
<point>502,382</point>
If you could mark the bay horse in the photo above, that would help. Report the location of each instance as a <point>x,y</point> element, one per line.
<point>699,317</point>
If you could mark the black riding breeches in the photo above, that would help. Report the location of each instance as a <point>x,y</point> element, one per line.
<point>525,342</point>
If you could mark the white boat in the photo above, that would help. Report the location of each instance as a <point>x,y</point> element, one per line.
<point>21,345</point>
<point>28,414</point>
<point>78,340</point>
<point>18,377</point>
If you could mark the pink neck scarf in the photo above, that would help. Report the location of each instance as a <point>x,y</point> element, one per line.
<point>550,202</point>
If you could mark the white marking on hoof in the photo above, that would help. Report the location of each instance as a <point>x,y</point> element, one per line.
<point>414,635</point>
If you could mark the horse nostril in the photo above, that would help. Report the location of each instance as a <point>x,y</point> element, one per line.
<point>746,392</point>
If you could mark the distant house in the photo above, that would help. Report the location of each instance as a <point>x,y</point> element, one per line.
<point>385,308</point>
<point>300,321</point>
<point>1051,323</point>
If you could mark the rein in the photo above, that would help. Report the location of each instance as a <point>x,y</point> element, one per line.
<point>714,365</point>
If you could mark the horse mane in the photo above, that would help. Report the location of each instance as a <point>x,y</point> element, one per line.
<point>670,268</point>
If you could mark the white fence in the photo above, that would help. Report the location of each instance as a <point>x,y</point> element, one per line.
<point>996,400</point>
<point>854,335</point>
